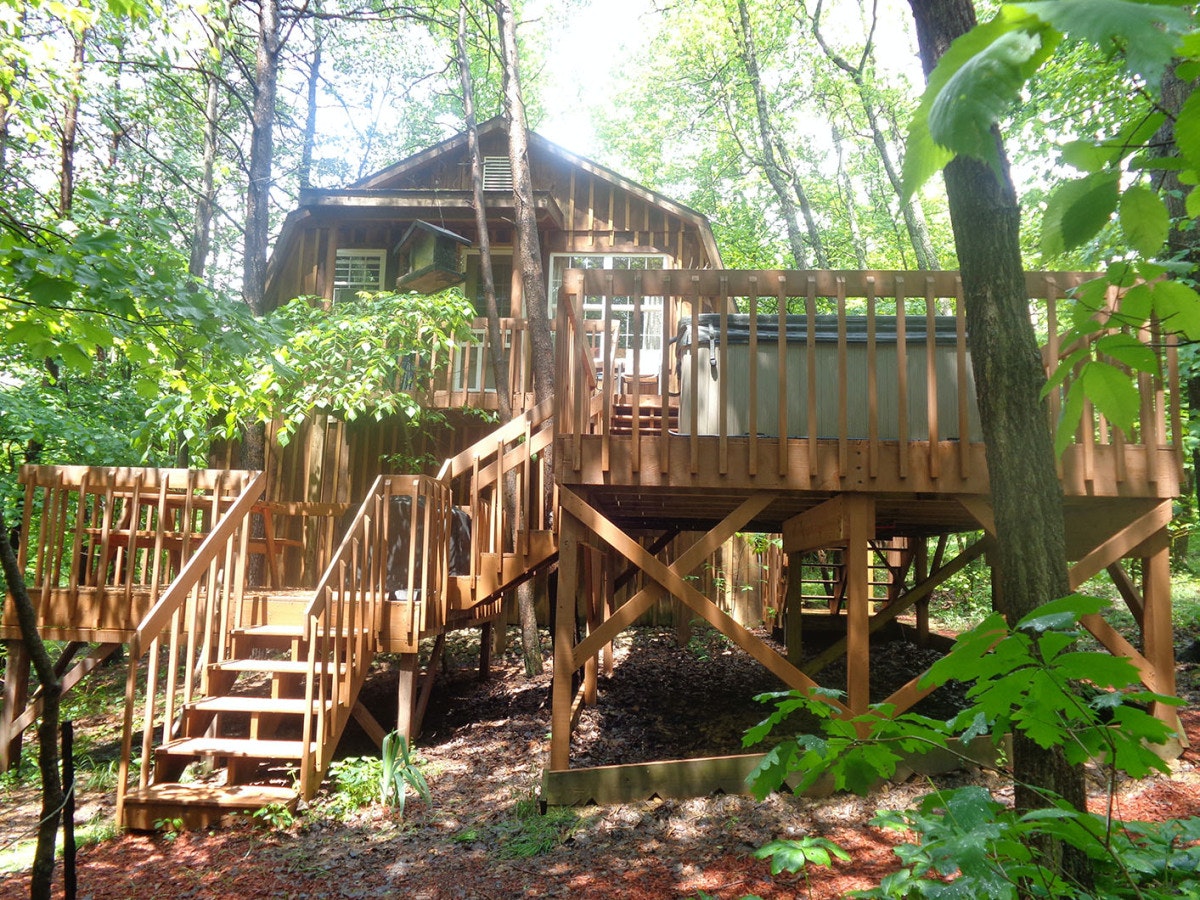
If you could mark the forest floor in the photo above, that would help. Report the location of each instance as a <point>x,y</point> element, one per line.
<point>483,749</point>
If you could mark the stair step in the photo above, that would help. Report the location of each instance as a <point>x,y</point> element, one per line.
<point>248,704</point>
<point>235,748</point>
<point>199,806</point>
<point>270,631</point>
<point>272,666</point>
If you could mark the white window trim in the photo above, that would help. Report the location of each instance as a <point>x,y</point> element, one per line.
<point>651,337</point>
<point>341,287</point>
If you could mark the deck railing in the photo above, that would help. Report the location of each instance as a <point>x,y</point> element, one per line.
<point>511,458</point>
<point>192,620</point>
<point>861,371</point>
<point>395,549</point>
<point>464,376</point>
<point>105,542</point>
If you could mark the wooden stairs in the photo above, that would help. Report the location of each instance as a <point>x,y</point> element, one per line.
<point>247,692</point>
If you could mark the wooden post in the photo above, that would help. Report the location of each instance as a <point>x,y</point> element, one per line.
<point>860,512</point>
<point>921,572</point>
<point>16,695</point>
<point>795,602</point>
<point>1157,637</point>
<point>564,641</point>
<point>406,694</point>
<point>485,651</point>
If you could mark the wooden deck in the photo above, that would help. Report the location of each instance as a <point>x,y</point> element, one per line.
<point>866,432</point>
<point>862,445</point>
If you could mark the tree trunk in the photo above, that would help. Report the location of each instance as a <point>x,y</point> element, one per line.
<point>1026,494</point>
<point>304,172</point>
<point>776,176</point>
<point>533,280</point>
<point>914,218</point>
<point>847,190</point>
<point>66,173</point>
<point>52,793</point>
<point>201,241</point>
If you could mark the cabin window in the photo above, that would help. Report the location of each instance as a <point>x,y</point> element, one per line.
<point>622,307</point>
<point>502,271</point>
<point>357,270</point>
<point>497,173</point>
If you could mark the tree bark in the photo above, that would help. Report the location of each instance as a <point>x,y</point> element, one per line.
<point>847,190</point>
<point>52,792</point>
<point>304,172</point>
<point>533,283</point>
<point>70,129</point>
<point>1026,494</point>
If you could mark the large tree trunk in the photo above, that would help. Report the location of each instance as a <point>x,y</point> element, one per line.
<point>201,242</point>
<point>1026,494</point>
<point>533,282</point>
<point>304,173</point>
<point>52,791</point>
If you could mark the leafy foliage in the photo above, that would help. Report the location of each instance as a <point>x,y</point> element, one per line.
<point>366,357</point>
<point>400,771</point>
<point>1027,678</point>
<point>981,79</point>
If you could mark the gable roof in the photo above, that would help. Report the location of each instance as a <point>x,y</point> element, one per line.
<point>389,176</point>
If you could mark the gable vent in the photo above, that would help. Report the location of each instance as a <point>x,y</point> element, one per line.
<point>497,173</point>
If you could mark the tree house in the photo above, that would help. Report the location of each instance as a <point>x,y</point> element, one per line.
<point>862,442</point>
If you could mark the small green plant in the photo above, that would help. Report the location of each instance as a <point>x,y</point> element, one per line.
<point>356,784</point>
<point>1026,679</point>
<point>530,832</point>
<point>400,771</point>
<point>170,828</point>
<point>275,816</point>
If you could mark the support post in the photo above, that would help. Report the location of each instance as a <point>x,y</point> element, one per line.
<point>794,622</point>
<point>921,572</point>
<point>860,515</point>
<point>16,696</point>
<point>564,640</point>
<point>406,694</point>
<point>485,651</point>
<point>1157,636</point>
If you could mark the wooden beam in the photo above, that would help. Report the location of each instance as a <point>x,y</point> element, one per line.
<point>701,605</point>
<point>369,723</point>
<point>683,565</point>
<point>794,602</point>
<point>857,563</point>
<point>1157,633</point>
<point>1128,591</point>
<point>1122,543</point>
<point>826,525</point>
<point>681,778</point>
<point>570,534</point>
<point>981,511</point>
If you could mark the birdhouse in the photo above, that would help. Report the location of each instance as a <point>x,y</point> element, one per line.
<point>432,258</point>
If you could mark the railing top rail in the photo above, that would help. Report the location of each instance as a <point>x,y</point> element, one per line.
<point>225,481</point>
<point>173,597</point>
<point>510,431</point>
<point>822,282</point>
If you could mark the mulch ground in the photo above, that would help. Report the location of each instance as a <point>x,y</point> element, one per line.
<point>483,749</point>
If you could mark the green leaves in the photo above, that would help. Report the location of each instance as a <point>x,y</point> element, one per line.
<point>1145,34</point>
<point>1077,210</point>
<point>797,854</point>
<point>1144,220</point>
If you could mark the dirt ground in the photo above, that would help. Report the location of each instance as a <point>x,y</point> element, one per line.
<point>483,750</point>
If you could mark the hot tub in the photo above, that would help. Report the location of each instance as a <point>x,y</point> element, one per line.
<point>705,384</point>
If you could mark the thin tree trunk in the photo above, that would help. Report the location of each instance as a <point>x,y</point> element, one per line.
<point>201,241</point>
<point>70,129</point>
<point>304,173</point>
<point>533,283</point>
<point>1026,494</point>
<point>776,176</point>
<point>914,217</point>
<point>52,792</point>
<point>847,189</point>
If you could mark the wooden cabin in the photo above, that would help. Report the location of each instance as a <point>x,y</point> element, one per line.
<point>836,409</point>
<point>369,237</point>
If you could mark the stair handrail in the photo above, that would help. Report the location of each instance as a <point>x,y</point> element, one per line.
<point>343,621</point>
<point>509,431</point>
<point>222,552</point>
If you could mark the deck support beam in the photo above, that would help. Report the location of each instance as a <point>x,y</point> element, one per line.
<point>16,695</point>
